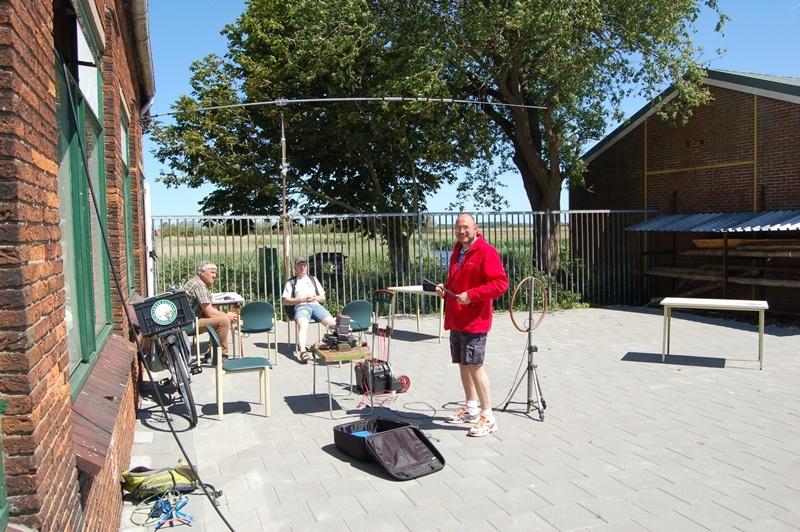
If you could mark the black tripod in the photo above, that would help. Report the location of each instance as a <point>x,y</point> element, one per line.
<point>530,372</point>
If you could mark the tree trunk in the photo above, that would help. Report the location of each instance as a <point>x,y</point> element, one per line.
<point>544,194</point>
<point>398,233</point>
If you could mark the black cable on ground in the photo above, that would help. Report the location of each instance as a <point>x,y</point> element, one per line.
<point>121,294</point>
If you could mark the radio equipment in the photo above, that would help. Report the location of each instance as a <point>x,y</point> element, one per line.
<point>340,339</point>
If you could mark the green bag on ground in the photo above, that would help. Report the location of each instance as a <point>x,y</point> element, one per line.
<point>142,482</point>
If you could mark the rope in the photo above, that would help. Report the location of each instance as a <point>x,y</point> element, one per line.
<point>280,102</point>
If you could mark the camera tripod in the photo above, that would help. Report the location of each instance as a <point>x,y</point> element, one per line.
<point>534,388</point>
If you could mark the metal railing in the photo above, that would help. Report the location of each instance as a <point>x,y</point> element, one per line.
<point>591,260</point>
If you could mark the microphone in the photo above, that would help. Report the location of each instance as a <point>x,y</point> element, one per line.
<point>430,286</point>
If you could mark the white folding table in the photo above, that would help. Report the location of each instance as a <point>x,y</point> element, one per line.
<point>419,292</point>
<point>670,303</point>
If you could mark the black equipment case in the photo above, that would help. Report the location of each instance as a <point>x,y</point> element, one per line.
<point>400,448</point>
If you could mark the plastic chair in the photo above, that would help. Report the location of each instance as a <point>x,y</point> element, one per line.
<point>191,332</point>
<point>360,312</point>
<point>240,365</point>
<point>259,316</point>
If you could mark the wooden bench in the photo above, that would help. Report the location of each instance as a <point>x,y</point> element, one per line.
<point>670,303</point>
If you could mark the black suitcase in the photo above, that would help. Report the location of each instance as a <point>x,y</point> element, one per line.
<point>400,448</point>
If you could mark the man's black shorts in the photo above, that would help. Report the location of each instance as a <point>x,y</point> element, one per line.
<point>467,348</point>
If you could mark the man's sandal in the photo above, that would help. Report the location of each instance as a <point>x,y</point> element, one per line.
<point>305,356</point>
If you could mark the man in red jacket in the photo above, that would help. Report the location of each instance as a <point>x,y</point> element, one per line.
<point>476,277</point>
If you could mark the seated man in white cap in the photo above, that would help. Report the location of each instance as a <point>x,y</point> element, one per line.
<point>305,294</point>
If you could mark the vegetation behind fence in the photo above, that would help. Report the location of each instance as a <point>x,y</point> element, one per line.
<point>353,255</point>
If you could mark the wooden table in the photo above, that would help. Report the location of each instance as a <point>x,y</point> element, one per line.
<point>418,291</point>
<point>713,304</point>
<point>331,356</point>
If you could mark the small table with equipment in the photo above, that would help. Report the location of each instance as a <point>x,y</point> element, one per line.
<point>713,304</point>
<point>228,299</point>
<point>331,356</point>
<point>419,292</point>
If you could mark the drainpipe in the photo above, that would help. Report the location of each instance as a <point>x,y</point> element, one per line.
<point>141,33</point>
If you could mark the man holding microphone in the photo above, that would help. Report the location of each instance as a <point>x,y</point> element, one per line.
<point>475,278</point>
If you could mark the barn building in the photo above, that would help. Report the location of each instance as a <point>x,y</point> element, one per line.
<point>724,190</point>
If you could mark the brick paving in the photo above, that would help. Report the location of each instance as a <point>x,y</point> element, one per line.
<point>704,441</point>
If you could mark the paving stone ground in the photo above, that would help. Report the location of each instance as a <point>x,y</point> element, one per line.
<point>704,441</point>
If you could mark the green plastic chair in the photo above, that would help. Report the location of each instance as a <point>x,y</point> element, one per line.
<point>360,312</point>
<point>239,365</point>
<point>259,316</point>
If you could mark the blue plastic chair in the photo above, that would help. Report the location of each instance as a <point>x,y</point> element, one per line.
<point>240,365</point>
<point>360,312</point>
<point>259,316</point>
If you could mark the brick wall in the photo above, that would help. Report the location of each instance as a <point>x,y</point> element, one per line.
<point>779,153</point>
<point>718,137</point>
<point>621,168</point>
<point>103,504</point>
<point>40,467</point>
<point>40,458</point>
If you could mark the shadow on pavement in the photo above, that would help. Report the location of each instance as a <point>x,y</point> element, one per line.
<point>229,407</point>
<point>675,360</point>
<point>411,336</point>
<point>310,404</point>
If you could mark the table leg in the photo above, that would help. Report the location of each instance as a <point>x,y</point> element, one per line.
<point>665,333</point>
<point>418,297</point>
<point>760,339</point>
<point>237,333</point>
<point>392,310</point>
<point>330,395</point>
<point>441,317</point>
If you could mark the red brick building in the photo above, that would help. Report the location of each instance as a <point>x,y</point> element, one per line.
<point>738,153</point>
<point>77,77</point>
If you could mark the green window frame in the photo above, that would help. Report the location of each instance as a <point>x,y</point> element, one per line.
<point>3,495</point>
<point>86,271</point>
<point>127,200</point>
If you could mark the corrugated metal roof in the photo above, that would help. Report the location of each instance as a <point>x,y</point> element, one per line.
<point>723,222</point>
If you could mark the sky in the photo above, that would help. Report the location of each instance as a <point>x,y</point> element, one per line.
<point>762,36</point>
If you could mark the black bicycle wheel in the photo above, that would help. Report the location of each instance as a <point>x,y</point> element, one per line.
<point>182,383</point>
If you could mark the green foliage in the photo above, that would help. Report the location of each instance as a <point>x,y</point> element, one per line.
<point>342,157</point>
<point>578,59</point>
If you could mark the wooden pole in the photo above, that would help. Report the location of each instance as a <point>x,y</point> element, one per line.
<point>724,265</point>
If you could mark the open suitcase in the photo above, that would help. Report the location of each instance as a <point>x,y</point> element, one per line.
<point>400,448</point>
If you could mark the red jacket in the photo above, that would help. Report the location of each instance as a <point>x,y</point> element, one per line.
<point>483,277</point>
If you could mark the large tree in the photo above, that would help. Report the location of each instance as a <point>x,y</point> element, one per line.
<point>578,59</point>
<point>343,157</point>
<point>356,156</point>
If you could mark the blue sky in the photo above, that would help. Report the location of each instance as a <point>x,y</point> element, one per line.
<point>763,36</point>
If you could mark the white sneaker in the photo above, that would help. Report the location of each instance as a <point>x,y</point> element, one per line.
<point>483,427</point>
<point>462,415</point>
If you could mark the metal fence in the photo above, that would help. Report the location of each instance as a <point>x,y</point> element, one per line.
<point>593,259</point>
